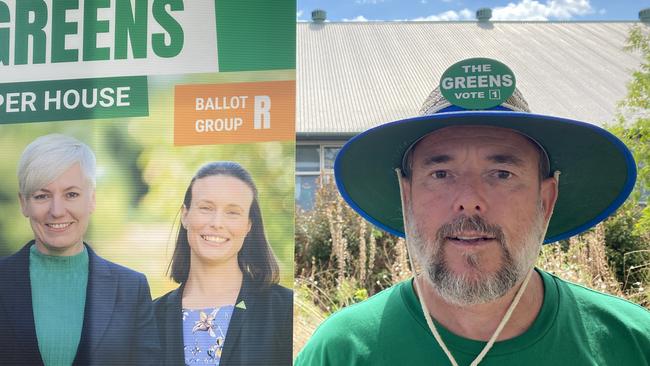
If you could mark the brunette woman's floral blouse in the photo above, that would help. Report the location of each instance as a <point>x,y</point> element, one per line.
<point>204,333</point>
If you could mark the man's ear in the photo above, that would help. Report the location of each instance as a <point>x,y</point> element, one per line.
<point>549,193</point>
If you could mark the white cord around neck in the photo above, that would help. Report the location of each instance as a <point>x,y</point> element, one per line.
<point>425,310</point>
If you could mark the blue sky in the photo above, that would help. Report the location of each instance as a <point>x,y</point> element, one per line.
<point>579,10</point>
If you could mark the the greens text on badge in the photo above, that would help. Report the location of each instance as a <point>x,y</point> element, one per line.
<point>224,104</point>
<point>477,83</point>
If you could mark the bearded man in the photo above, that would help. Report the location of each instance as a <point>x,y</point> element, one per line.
<point>474,186</point>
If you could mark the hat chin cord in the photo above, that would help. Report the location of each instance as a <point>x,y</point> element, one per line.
<point>422,300</point>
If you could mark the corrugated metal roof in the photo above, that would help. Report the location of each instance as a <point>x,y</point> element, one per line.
<point>352,76</point>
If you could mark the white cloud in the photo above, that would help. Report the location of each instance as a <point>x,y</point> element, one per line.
<point>464,14</point>
<point>358,18</point>
<point>534,10</point>
<point>373,2</point>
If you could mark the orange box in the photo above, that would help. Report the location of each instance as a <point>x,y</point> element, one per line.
<point>209,114</point>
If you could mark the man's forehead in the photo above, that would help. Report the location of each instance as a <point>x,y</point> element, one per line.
<point>450,138</point>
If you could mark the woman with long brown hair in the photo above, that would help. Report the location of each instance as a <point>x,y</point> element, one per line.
<point>229,308</point>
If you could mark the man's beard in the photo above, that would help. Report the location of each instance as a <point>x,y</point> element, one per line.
<point>470,289</point>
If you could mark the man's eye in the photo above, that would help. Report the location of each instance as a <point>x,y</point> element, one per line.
<point>40,196</point>
<point>440,174</point>
<point>72,194</point>
<point>503,174</point>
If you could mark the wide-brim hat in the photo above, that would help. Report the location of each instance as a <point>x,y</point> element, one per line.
<point>597,169</point>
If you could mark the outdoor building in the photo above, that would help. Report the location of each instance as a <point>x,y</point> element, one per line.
<point>356,75</point>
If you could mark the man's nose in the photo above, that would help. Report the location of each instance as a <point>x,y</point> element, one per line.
<point>470,197</point>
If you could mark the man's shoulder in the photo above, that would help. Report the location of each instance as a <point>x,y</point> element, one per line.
<point>364,316</point>
<point>602,308</point>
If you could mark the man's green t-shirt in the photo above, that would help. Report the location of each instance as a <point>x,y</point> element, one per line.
<point>575,326</point>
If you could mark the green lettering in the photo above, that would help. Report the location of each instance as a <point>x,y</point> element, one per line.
<point>24,29</point>
<point>5,17</point>
<point>128,26</point>
<point>172,27</point>
<point>61,28</point>
<point>92,26</point>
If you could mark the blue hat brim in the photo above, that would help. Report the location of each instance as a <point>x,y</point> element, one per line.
<point>598,170</point>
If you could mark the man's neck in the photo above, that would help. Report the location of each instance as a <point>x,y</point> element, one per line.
<point>478,322</point>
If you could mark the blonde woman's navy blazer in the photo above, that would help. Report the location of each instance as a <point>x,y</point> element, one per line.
<point>118,327</point>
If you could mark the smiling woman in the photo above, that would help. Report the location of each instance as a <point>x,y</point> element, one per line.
<point>59,212</point>
<point>66,305</point>
<point>217,221</point>
<point>229,309</point>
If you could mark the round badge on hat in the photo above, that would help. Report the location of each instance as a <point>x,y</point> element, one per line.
<point>477,83</point>
<point>598,170</point>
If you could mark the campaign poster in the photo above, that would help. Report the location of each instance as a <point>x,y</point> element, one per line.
<point>157,89</point>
